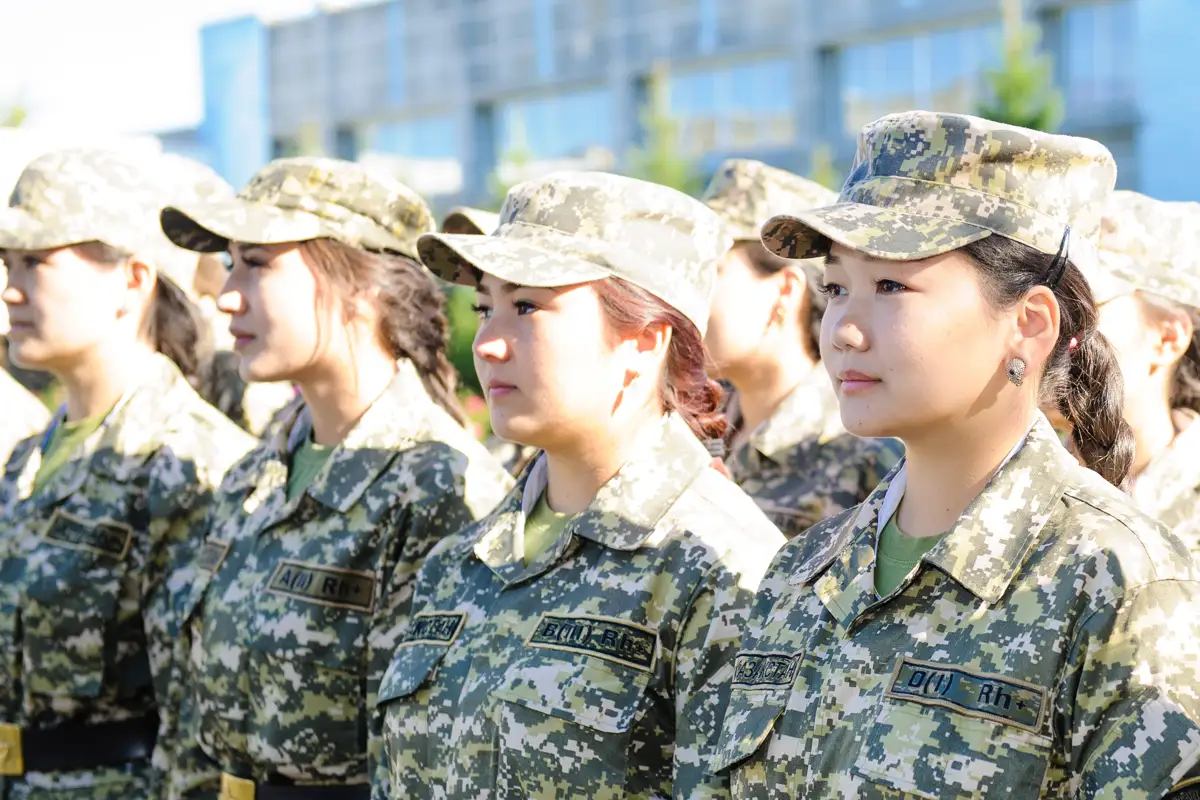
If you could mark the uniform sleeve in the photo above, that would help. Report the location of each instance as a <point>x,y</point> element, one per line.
<point>1133,727</point>
<point>708,643</point>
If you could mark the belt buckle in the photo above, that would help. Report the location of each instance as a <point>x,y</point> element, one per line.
<point>234,788</point>
<point>12,760</point>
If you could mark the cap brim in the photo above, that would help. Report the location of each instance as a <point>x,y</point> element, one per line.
<point>19,230</point>
<point>470,221</point>
<point>458,257</point>
<point>210,227</point>
<point>877,232</point>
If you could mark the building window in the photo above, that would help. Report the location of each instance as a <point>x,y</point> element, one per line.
<point>556,126</point>
<point>940,71</point>
<point>743,107</point>
<point>1098,56</point>
<point>427,138</point>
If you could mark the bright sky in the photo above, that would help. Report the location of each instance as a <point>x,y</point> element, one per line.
<point>115,66</point>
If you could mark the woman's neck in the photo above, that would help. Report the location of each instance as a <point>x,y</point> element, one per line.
<point>339,395</point>
<point>575,474</point>
<point>763,387</point>
<point>1153,431</point>
<point>97,383</point>
<point>948,468</point>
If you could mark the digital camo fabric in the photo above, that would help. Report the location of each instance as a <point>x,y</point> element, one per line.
<point>298,605</point>
<point>1048,646</point>
<point>593,672</point>
<point>89,575</point>
<point>24,415</point>
<point>1168,489</point>
<point>801,466</point>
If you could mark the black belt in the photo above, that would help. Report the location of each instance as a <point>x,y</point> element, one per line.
<point>72,747</point>
<point>359,792</point>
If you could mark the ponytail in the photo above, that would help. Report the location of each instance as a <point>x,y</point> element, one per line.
<point>1082,378</point>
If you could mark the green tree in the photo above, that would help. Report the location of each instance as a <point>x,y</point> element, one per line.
<point>1022,90</point>
<point>460,314</point>
<point>822,169</point>
<point>659,158</point>
<point>14,117</point>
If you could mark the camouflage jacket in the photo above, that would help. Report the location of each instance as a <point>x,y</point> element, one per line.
<point>298,604</point>
<point>1168,489</point>
<point>23,414</point>
<point>1048,646</point>
<point>588,673</point>
<point>801,466</point>
<point>88,572</point>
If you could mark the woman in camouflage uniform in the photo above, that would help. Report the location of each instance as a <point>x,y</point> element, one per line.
<point>567,645</point>
<point>98,512</point>
<point>304,578</point>
<point>787,447</point>
<point>1148,292</point>
<point>995,620</point>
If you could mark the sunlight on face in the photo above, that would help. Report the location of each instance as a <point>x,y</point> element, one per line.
<point>910,346</point>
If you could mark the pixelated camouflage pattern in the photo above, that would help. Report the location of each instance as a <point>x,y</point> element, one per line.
<point>1168,488</point>
<point>576,227</point>
<point>23,414</point>
<point>668,554</point>
<point>801,466</point>
<point>1151,246</point>
<point>282,687</point>
<point>464,219</point>
<point>83,195</point>
<point>298,199</point>
<point>89,575</point>
<point>746,193</point>
<point>927,183</point>
<point>1050,587</point>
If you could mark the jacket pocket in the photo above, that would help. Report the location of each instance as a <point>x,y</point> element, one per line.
<point>73,582</point>
<point>565,727</point>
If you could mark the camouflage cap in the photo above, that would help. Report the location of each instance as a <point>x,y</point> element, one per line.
<point>74,196</point>
<point>298,199</point>
<point>186,181</point>
<point>470,220</point>
<point>747,193</point>
<point>926,183</point>
<point>576,227</point>
<point>1151,246</point>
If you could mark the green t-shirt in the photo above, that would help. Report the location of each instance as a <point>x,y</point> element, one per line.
<point>543,526</point>
<point>307,462</point>
<point>898,554</point>
<point>64,441</point>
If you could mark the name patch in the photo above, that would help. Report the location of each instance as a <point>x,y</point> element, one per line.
<point>435,627</point>
<point>765,669</point>
<point>103,537</point>
<point>212,555</point>
<point>325,586</point>
<point>977,694</point>
<point>605,637</point>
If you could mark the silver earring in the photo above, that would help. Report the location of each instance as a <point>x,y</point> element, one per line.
<point>1016,371</point>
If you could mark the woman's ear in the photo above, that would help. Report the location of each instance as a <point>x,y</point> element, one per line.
<point>140,278</point>
<point>1173,328</point>
<point>1036,325</point>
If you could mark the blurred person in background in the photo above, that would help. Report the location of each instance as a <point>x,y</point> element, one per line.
<point>995,620</point>
<point>21,413</point>
<point>787,447</point>
<point>568,644</point>
<point>1147,287</point>
<point>101,510</point>
<point>250,405</point>
<point>303,583</point>
<point>477,222</point>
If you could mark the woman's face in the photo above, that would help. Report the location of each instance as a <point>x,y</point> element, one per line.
<point>281,324</point>
<point>910,346</point>
<point>63,306</point>
<point>746,304</point>
<point>552,369</point>
<point>1149,340</point>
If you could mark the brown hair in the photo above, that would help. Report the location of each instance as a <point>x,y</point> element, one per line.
<point>1083,382</point>
<point>173,325</point>
<point>412,309</point>
<point>812,310</point>
<point>685,388</point>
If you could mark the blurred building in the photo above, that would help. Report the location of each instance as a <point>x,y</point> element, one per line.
<point>443,89</point>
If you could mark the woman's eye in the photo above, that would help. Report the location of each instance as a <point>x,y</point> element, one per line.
<point>889,287</point>
<point>524,307</point>
<point>483,312</point>
<point>831,289</point>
